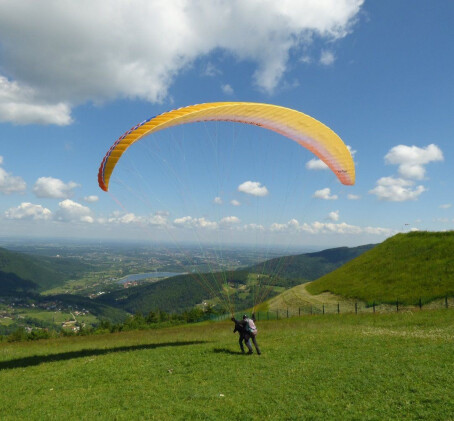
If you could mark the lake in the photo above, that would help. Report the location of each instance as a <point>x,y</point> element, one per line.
<point>141,276</point>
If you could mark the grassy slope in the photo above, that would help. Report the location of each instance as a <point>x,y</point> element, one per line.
<point>393,366</point>
<point>300,297</point>
<point>405,267</point>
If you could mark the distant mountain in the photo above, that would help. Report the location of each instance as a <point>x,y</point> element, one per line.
<point>309,266</point>
<point>45,272</point>
<point>406,267</point>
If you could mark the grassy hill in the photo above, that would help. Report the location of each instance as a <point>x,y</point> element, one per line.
<point>371,367</point>
<point>45,272</point>
<point>406,267</point>
<point>309,266</point>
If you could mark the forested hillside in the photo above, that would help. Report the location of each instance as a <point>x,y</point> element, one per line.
<point>309,266</point>
<point>45,272</point>
<point>173,294</point>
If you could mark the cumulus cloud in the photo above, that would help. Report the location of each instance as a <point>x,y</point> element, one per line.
<point>227,89</point>
<point>412,159</point>
<point>49,187</point>
<point>253,188</point>
<point>229,221</point>
<point>28,210</point>
<point>318,164</point>
<point>396,189</point>
<point>108,49</point>
<point>10,183</point>
<point>334,215</point>
<point>325,194</point>
<point>253,227</point>
<point>327,58</point>
<point>70,211</point>
<point>294,226</point>
<point>91,199</point>
<point>125,218</point>
<point>22,104</point>
<point>190,222</point>
<point>351,196</point>
<point>446,206</point>
<point>217,201</point>
<point>158,219</point>
<point>235,202</point>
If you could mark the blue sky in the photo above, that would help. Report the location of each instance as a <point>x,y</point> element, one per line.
<point>75,76</point>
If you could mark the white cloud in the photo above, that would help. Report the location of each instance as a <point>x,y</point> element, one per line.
<point>411,159</point>
<point>293,226</point>
<point>53,188</point>
<point>108,49</point>
<point>334,215</point>
<point>325,194</point>
<point>353,196</point>
<point>327,58</point>
<point>10,183</point>
<point>253,227</point>
<point>22,105</point>
<point>28,210</point>
<point>91,199</point>
<point>316,164</point>
<point>446,206</point>
<point>217,201</point>
<point>227,89</point>
<point>211,70</point>
<point>158,219</point>
<point>190,222</point>
<point>70,211</point>
<point>229,221</point>
<point>253,188</point>
<point>235,202</point>
<point>396,189</point>
<point>125,218</point>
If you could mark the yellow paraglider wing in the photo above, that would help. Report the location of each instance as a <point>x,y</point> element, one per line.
<point>301,128</point>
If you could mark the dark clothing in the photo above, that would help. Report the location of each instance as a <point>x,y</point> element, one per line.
<point>244,336</point>
<point>240,327</point>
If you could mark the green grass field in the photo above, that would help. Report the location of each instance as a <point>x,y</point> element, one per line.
<point>368,367</point>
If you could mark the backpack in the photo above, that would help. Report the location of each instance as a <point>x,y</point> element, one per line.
<point>250,327</point>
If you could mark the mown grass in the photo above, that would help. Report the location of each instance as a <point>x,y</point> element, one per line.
<point>382,366</point>
<point>406,267</point>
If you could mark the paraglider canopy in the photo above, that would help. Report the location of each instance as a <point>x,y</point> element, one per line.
<point>303,129</point>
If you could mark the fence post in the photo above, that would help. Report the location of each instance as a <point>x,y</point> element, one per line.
<point>311,310</point>
<point>446,301</point>
<point>338,309</point>
<point>277,314</point>
<point>323,308</point>
<point>356,307</point>
<point>420,304</point>
<point>397,305</point>
<point>373,305</point>
<point>287,312</point>
<point>299,311</point>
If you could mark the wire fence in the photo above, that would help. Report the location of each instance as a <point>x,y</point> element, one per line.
<point>351,307</point>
